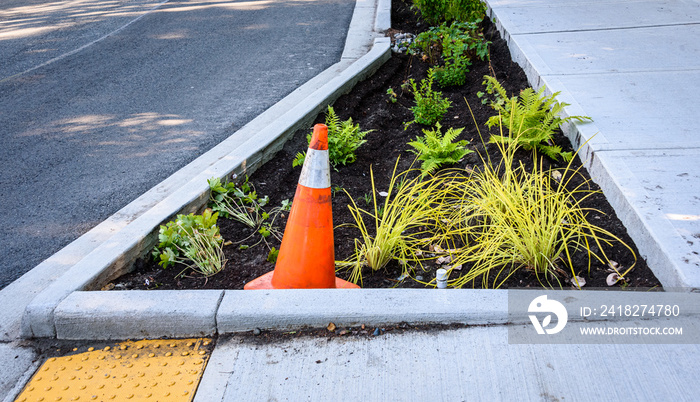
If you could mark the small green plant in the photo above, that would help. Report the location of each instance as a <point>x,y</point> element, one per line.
<point>458,44</point>
<point>533,115</point>
<point>430,106</point>
<point>191,240</point>
<point>335,190</point>
<point>393,96</point>
<point>241,203</point>
<point>436,149</point>
<point>343,140</point>
<point>272,255</point>
<point>367,198</point>
<point>438,11</point>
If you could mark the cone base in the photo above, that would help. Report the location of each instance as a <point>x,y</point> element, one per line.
<point>265,282</point>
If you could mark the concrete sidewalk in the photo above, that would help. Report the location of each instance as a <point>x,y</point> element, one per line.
<point>471,364</point>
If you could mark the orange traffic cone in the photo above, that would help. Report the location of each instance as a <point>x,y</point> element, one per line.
<point>307,257</point>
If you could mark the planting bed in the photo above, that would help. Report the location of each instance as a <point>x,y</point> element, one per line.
<point>368,104</point>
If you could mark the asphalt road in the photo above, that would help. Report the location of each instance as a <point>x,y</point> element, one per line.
<point>101,100</point>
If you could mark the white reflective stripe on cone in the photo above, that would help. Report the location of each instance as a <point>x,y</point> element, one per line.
<point>316,172</point>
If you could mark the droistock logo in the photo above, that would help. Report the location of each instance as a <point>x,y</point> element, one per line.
<point>541,305</point>
<point>545,316</point>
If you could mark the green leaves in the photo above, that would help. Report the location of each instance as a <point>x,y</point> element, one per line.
<point>531,118</point>
<point>457,43</point>
<point>343,140</point>
<point>437,11</point>
<point>191,238</point>
<point>242,203</point>
<point>436,150</point>
<point>430,106</point>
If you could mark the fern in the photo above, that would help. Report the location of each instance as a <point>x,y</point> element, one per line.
<point>436,149</point>
<point>532,116</point>
<point>344,138</point>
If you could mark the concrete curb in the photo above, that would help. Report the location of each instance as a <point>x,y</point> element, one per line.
<point>137,314</point>
<point>108,251</point>
<point>292,308</point>
<point>177,314</point>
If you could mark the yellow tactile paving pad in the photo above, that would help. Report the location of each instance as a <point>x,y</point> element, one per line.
<point>151,370</point>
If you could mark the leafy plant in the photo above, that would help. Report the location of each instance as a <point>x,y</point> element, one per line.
<point>236,202</point>
<point>407,222</point>
<point>272,255</point>
<point>438,11</point>
<point>457,43</point>
<point>241,203</point>
<point>343,140</point>
<point>533,115</point>
<point>436,149</point>
<point>510,217</point>
<point>430,106</point>
<point>191,238</point>
<point>393,96</point>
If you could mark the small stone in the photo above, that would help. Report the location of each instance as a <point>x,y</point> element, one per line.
<point>257,331</point>
<point>419,277</point>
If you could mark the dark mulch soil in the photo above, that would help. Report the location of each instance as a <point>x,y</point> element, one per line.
<point>368,105</point>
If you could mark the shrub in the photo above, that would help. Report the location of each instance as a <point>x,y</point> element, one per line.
<point>438,11</point>
<point>457,43</point>
<point>430,106</point>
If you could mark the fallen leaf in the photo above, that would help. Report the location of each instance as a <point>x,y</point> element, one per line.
<point>612,279</point>
<point>443,260</point>
<point>556,175</point>
<point>108,286</point>
<point>331,327</point>
<point>383,193</point>
<point>228,243</point>
<point>578,282</point>
<point>455,267</point>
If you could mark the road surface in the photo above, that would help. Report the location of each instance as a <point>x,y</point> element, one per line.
<point>101,100</point>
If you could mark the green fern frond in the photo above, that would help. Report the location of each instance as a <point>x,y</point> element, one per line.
<point>435,149</point>
<point>531,117</point>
